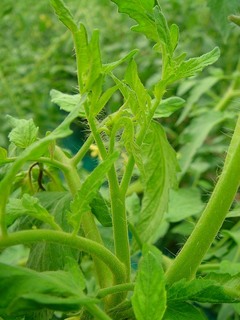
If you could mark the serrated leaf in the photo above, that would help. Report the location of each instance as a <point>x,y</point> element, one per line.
<point>23,290</point>
<point>193,66</point>
<point>67,102</point>
<point>183,311</point>
<point>142,12</point>
<point>24,132</point>
<point>64,15</point>
<point>101,209</point>
<point>220,10</point>
<point>214,288</point>
<point>149,297</point>
<point>160,165</point>
<point>30,206</point>
<point>87,191</point>
<point>194,135</point>
<point>168,106</point>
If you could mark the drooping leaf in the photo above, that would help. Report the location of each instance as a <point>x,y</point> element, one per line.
<point>24,132</point>
<point>87,191</point>
<point>149,298</point>
<point>67,102</point>
<point>183,203</point>
<point>64,15</point>
<point>101,209</point>
<point>220,12</point>
<point>194,136</point>
<point>183,311</point>
<point>160,165</point>
<point>23,290</point>
<point>142,12</point>
<point>214,288</point>
<point>168,106</point>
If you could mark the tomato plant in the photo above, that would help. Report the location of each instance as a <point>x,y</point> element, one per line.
<point>86,232</point>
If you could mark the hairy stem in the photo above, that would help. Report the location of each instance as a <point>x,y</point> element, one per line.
<point>115,289</point>
<point>93,248</point>
<point>197,245</point>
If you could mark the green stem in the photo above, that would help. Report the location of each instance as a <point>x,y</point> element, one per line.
<point>230,93</point>
<point>97,312</point>
<point>119,217</point>
<point>123,287</point>
<point>93,248</point>
<point>197,245</point>
<point>82,151</point>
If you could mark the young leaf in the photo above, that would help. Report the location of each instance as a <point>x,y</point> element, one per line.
<point>160,165</point>
<point>30,206</point>
<point>25,290</point>
<point>141,95</point>
<point>192,66</point>
<point>142,12</point>
<point>149,298</point>
<point>168,106</point>
<point>67,102</point>
<point>64,14</point>
<point>194,136</point>
<point>164,32</point>
<point>101,209</point>
<point>81,201</point>
<point>183,311</point>
<point>24,132</point>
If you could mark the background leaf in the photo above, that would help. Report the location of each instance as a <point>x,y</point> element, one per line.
<point>194,135</point>
<point>220,10</point>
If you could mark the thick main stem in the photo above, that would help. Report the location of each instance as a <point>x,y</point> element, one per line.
<point>197,245</point>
